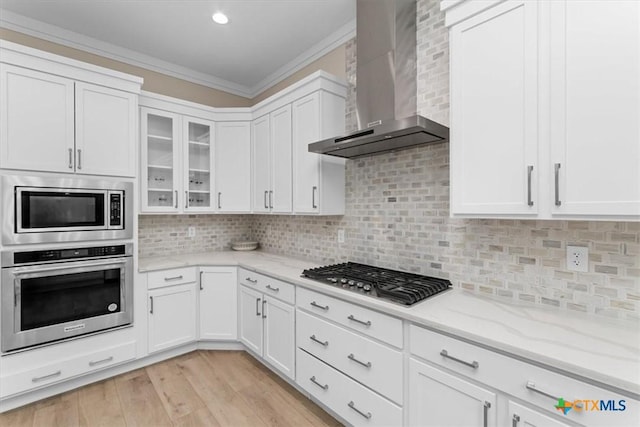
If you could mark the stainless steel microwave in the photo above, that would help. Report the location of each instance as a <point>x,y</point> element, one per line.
<point>41,209</point>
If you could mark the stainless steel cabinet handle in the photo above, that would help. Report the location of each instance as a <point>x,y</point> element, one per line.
<point>176,205</point>
<point>271,199</point>
<point>219,202</point>
<point>529,199</point>
<point>46,377</point>
<point>485,421</point>
<point>352,405</point>
<point>352,357</point>
<point>515,420</point>
<point>70,158</point>
<point>250,280</point>
<point>98,362</point>
<point>201,288</point>
<point>313,380</point>
<point>532,386</point>
<point>150,305</point>
<point>314,189</point>
<point>557,184</point>
<point>266,205</point>
<point>322,307</point>
<point>168,279</point>
<point>186,199</point>
<point>79,159</point>
<point>314,339</point>
<point>258,307</point>
<point>445,354</point>
<point>362,322</point>
<point>264,312</point>
<point>273,289</point>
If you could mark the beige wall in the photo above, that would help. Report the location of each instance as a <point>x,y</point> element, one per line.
<point>153,81</point>
<point>333,62</point>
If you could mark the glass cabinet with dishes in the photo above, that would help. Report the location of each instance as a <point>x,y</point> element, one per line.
<point>176,159</point>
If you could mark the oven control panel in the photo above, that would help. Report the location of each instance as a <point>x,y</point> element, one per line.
<point>66,254</point>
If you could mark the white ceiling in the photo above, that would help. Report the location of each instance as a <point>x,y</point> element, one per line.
<point>265,41</point>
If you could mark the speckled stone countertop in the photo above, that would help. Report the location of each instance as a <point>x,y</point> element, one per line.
<point>592,347</point>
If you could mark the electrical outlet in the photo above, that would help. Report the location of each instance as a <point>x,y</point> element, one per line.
<point>191,232</point>
<point>578,258</point>
<point>340,236</point>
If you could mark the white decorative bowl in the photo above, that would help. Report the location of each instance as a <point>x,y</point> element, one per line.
<point>244,246</point>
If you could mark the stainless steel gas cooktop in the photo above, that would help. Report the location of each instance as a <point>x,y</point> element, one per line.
<point>396,286</point>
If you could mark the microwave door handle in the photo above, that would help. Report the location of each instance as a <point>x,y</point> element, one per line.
<point>21,271</point>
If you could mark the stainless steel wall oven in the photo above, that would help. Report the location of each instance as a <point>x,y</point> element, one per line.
<point>41,209</point>
<point>55,294</point>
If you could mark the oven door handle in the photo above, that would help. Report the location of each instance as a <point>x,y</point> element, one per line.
<point>31,269</point>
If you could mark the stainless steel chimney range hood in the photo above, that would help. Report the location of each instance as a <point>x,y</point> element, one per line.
<point>386,85</point>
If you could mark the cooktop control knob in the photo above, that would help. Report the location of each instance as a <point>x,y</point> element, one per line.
<point>332,280</point>
<point>343,281</point>
<point>352,282</point>
<point>360,284</point>
<point>367,288</point>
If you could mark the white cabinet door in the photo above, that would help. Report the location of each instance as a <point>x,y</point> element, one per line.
<point>521,416</point>
<point>219,303</point>
<point>36,121</point>
<point>306,165</point>
<point>106,122</point>
<point>494,101</point>
<point>233,166</point>
<point>281,158</point>
<point>595,108</point>
<point>279,345</point>
<point>250,318</point>
<point>440,399</point>
<point>261,145</point>
<point>172,319</point>
<point>197,140</point>
<point>160,160</point>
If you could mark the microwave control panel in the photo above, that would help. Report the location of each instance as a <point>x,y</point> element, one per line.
<point>115,210</point>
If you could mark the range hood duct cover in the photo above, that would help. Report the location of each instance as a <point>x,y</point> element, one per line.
<point>386,85</point>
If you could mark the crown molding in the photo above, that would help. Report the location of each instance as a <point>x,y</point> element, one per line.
<point>55,34</point>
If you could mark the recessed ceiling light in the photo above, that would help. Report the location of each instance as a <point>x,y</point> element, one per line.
<point>219,18</point>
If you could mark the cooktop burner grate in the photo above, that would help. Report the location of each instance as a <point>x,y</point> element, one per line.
<point>397,286</point>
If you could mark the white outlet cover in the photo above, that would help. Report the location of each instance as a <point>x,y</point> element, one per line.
<point>191,232</point>
<point>340,236</point>
<point>578,258</point>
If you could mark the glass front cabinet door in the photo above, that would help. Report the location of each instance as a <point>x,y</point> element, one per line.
<point>198,184</point>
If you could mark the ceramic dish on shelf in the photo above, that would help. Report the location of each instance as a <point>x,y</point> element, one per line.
<point>244,246</point>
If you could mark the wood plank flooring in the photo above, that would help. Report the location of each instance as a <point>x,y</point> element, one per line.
<point>202,388</point>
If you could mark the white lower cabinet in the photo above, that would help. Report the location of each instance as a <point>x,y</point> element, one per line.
<point>218,303</point>
<point>266,327</point>
<point>526,417</point>
<point>437,398</point>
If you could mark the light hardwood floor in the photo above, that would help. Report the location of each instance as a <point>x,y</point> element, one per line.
<point>202,388</point>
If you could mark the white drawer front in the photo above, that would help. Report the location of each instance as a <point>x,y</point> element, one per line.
<point>277,289</point>
<point>369,322</point>
<point>356,404</point>
<point>176,276</point>
<point>519,378</point>
<point>248,278</point>
<point>371,363</point>
<point>55,372</point>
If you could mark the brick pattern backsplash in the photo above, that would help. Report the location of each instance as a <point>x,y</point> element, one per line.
<point>397,216</point>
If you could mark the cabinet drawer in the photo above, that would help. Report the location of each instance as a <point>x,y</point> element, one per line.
<point>352,401</point>
<point>176,276</point>
<point>248,278</point>
<point>371,363</point>
<point>368,322</point>
<point>277,289</point>
<point>65,369</point>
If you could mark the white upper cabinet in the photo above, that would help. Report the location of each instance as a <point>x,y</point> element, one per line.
<point>233,166</point>
<point>545,100</point>
<point>595,108</point>
<point>260,156</point>
<point>61,115</point>
<point>198,176</point>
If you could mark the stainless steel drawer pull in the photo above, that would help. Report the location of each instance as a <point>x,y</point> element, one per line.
<point>529,199</point>
<point>271,199</point>
<point>273,289</point>
<point>151,305</point>
<point>313,380</point>
<point>264,312</point>
<point>557,183</point>
<point>98,362</point>
<point>515,420</point>
<point>485,419</point>
<point>201,288</point>
<point>176,204</point>
<point>266,205</point>
<point>186,199</point>
<point>313,197</point>
<point>258,307</point>
<point>70,158</point>
<point>352,357</point>
<point>219,202</point>
<point>46,377</point>
<point>323,343</point>
<point>79,165</point>
<point>532,386</point>
<point>323,307</point>
<point>352,405</point>
<point>250,280</point>
<point>362,322</point>
<point>168,279</point>
<point>474,364</point>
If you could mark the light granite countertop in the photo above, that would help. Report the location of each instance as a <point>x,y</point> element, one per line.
<point>590,347</point>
